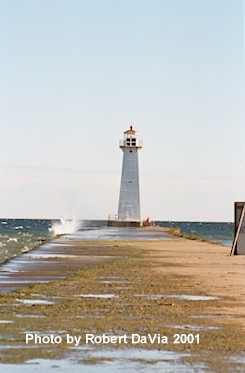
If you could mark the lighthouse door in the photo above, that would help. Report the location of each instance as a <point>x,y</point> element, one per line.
<point>130,212</point>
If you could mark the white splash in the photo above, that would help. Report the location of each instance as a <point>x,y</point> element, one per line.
<point>65,226</point>
<point>12,240</point>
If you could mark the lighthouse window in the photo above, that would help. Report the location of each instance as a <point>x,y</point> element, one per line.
<point>133,142</point>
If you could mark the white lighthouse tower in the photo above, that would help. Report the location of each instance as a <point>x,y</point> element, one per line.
<point>129,199</point>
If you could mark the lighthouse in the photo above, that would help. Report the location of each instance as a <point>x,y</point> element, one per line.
<point>129,197</point>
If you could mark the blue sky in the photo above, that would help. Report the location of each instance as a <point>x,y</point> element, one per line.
<point>75,74</point>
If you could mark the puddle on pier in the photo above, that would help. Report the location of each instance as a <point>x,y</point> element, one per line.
<point>124,288</point>
<point>47,297</point>
<point>90,317</point>
<point>111,278</point>
<point>177,296</point>
<point>3,271</point>
<point>193,327</point>
<point>118,234</point>
<point>113,282</point>
<point>68,256</point>
<point>34,301</point>
<point>109,361</point>
<point>42,334</point>
<point>10,347</point>
<point>31,316</point>
<point>105,296</point>
<point>238,359</point>
<point>31,281</point>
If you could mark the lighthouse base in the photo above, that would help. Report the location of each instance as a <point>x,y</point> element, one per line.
<point>124,223</point>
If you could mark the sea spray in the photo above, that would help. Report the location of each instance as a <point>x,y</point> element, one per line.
<point>65,226</point>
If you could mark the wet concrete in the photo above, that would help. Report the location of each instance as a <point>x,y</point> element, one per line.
<point>48,262</point>
<point>54,260</point>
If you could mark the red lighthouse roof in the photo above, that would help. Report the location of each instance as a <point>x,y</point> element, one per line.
<point>130,130</point>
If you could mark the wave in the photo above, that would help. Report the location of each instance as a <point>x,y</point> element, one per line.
<point>65,226</point>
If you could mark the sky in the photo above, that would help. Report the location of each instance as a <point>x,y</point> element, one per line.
<point>75,74</point>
